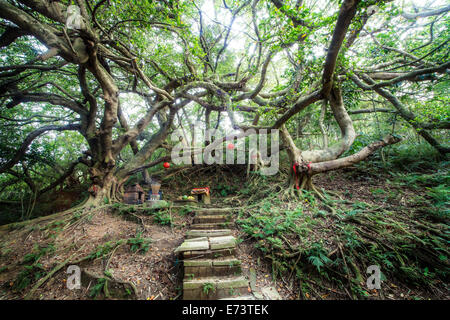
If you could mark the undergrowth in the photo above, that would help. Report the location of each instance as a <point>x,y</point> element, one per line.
<point>160,215</point>
<point>316,249</point>
<point>32,270</point>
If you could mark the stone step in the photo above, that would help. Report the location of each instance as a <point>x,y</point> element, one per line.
<point>211,270</point>
<point>201,238</point>
<point>229,266</point>
<point>217,209</point>
<point>208,254</point>
<point>224,242</point>
<point>193,233</point>
<point>193,246</point>
<point>212,212</point>
<point>220,261</point>
<point>204,243</point>
<point>212,226</point>
<point>211,219</point>
<point>213,288</point>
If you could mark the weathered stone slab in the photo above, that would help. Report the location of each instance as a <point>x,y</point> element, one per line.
<point>197,239</point>
<point>222,242</point>
<point>253,280</point>
<point>208,233</point>
<point>208,254</point>
<point>240,282</point>
<point>211,219</point>
<point>217,282</point>
<point>206,226</point>
<point>226,262</point>
<point>258,296</point>
<point>214,211</point>
<point>192,246</point>
<point>270,293</point>
<point>218,288</point>
<point>197,263</point>
<point>196,272</point>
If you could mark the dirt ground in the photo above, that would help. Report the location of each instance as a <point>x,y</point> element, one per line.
<point>154,273</point>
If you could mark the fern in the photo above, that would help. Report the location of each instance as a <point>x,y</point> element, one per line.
<point>208,287</point>
<point>98,288</point>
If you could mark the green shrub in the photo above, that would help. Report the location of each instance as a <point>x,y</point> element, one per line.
<point>28,275</point>
<point>139,244</point>
<point>97,288</point>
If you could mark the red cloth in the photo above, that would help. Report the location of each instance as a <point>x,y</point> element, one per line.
<point>205,189</point>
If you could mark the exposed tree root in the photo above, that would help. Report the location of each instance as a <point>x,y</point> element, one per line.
<point>400,245</point>
<point>51,217</point>
<point>296,193</point>
<point>51,273</point>
<point>78,261</point>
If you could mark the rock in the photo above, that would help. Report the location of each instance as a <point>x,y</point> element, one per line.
<point>219,288</point>
<point>197,263</point>
<point>222,242</point>
<point>226,262</point>
<point>270,293</point>
<point>206,226</point>
<point>197,239</point>
<point>208,233</point>
<point>253,279</point>
<point>192,246</point>
<point>211,219</point>
<point>258,295</point>
<point>112,288</point>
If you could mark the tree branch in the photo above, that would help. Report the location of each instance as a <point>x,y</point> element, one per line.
<point>30,138</point>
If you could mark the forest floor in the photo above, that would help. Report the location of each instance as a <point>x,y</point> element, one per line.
<point>152,268</point>
<point>306,247</point>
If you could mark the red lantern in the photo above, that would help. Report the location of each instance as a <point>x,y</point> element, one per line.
<point>166,165</point>
<point>230,146</point>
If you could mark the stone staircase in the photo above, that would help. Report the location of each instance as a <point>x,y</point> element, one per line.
<point>211,270</point>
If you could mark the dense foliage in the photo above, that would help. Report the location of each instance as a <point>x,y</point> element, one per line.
<point>96,104</point>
